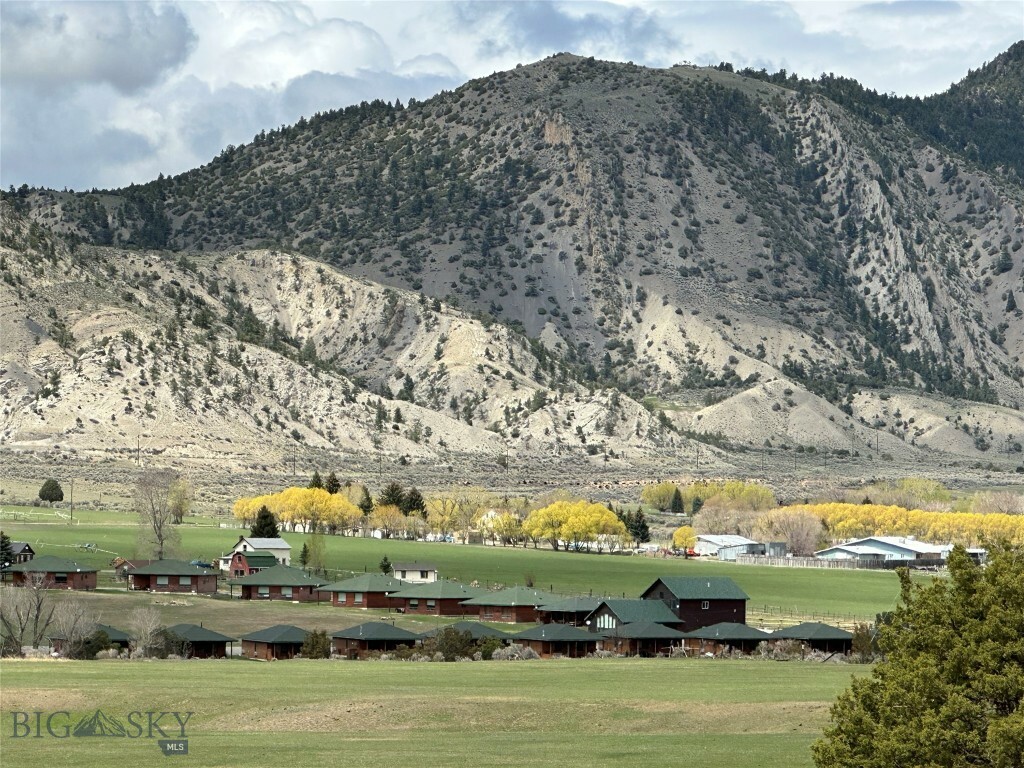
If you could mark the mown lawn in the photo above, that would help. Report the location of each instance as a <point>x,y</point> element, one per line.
<point>728,714</point>
<point>801,592</point>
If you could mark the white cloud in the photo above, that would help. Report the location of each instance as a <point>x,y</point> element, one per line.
<point>103,94</point>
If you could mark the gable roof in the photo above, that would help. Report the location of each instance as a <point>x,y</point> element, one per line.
<point>517,595</point>
<point>572,605</point>
<point>644,630</point>
<point>366,582</point>
<point>50,564</point>
<point>556,632</point>
<point>812,630</point>
<point>263,543</point>
<point>701,588</point>
<point>728,630</point>
<point>171,568</point>
<point>724,539</point>
<point>439,590</point>
<point>475,628</point>
<point>278,576</point>
<point>632,610</point>
<point>17,547</point>
<point>375,630</point>
<point>413,566</point>
<point>279,633</point>
<point>193,633</point>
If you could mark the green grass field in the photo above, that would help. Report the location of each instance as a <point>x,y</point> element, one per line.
<point>821,594</point>
<point>716,714</point>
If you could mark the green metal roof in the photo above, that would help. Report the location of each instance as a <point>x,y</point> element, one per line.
<point>279,633</point>
<point>193,633</point>
<point>644,630</point>
<point>278,576</point>
<point>556,632</point>
<point>475,628</point>
<point>631,611</point>
<point>171,568</point>
<point>702,588</point>
<point>572,605</point>
<point>440,590</point>
<point>512,596</point>
<point>50,564</point>
<point>376,630</point>
<point>812,630</point>
<point>727,631</point>
<point>259,558</point>
<point>113,634</point>
<point>366,582</point>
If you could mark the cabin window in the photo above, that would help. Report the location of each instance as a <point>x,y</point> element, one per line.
<point>343,597</point>
<point>286,591</point>
<point>430,603</point>
<point>60,578</point>
<point>184,581</point>
<point>705,605</point>
<point>605,621</point>
<point>162,581</point>
<point>423,574</point>
<point>506,613</point>
<point>414,604</point>
<point>358,598</point>
<point>401,574</point>
<point>264,591</point>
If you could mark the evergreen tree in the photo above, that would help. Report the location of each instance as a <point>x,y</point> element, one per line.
<point>640,531</point>
<point>366,503</point>
<point>265,525</point>
<point>51,491</point>
<point>317,645</point>
<point>315,481</point>
<point>332,485</point>
<point>6,551</point>
<point>304,554</point>
<point>392,495</point>
<point>413,503</point>
<point>384,565</point>
<point>1011,303</point>
<point>950,690</point>
<point>676,507</point>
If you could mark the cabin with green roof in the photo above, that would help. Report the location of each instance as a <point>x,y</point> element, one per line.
<point>438,598</point>
<point>280,582</point>
<point>55,573</point>
<point>700,601</point>
<point>281,641</point>
<point>569,610</point>
<point>173,576</point>
<point>614,612</point>
<point>723,638</point>
<point>367,590</point>
<point>642,638</point>
<point>550,640</point>
<point>820,637</point>
<point>516,605</point>
<point>198,642</point>
<point>372,636</point>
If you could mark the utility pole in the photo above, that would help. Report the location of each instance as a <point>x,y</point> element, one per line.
<point>138,450</point>
<point>697,458</point>
<point>72,520</point>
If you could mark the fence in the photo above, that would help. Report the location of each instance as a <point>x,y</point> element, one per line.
<point>814,562</point>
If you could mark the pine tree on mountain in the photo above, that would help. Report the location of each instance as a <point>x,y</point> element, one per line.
<point>1011,303</point>
<point>265,525</point>
<point>332,485</point>
<point>315,481</point>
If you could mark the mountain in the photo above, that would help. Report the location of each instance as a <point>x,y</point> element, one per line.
<point>523,261</point>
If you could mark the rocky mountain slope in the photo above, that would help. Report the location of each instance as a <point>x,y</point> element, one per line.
<point>764,267</point>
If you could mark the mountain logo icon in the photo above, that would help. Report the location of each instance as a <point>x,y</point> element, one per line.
<point>99,724</point>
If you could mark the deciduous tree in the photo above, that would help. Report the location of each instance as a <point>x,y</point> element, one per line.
<point>153,506</point>
<point>51,491</point>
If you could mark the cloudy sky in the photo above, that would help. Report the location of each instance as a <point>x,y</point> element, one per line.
<point>102,94</point>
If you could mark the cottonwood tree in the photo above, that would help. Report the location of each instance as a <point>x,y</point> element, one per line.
<point>179,499</point>
<point>75,623</point>
<point>802,531</point>
<point>145,630</point>
<point>950,690</point>
<point>26,613</point>
<point>156,515</point>
<point>684,538</point>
